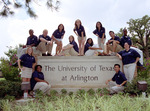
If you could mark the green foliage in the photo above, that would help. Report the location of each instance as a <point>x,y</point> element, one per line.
<point>10,98</point>
<point>64,91</point>
<point>103,91</point>
<point>7,5</point>
<point>70,93</point>
<point>10,88</point>
<point>9,72</point>
<point>53,92</point>
<point>145,73</point>
<point>81,92</point>
<point>91,92</point>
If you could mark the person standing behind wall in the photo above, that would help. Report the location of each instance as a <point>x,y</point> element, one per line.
<point>28,62</point>
<point>129,57</point>
<point>57,36</point>
<point>45,44</point>
<point>80,32</point>
<point>100,33</point>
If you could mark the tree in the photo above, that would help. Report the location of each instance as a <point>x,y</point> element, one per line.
<point>7,6</point>
<point>139,31</point>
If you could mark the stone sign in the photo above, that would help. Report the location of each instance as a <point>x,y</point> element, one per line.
<point>72,72</point>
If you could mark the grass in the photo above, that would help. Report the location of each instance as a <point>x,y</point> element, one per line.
<point>84,102</point>
<point>2,79</point>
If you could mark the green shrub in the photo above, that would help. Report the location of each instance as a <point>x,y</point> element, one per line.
<point>64,91</point>
<point>10,88</point>
<point>91,92</point>
<point>81,92</point>
<point>10,98</point>
<point>53,92</point>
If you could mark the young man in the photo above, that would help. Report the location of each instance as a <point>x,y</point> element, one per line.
<point>117,83</point>
<point>32,41</point>
<point>113,44</point>
<point>45,44</point>
<point>38,81</point>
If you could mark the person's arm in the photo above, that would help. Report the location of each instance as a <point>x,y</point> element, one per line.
<point>123,83</point>
<point>40,80</point>
<point>108,81</point>
<point>19,65</point>
<point>137,59</point>
<point>43,40</point>
<point>118,55</point>
<point>75,31</point>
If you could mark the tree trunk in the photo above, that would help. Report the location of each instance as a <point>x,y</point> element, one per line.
<point>146,52</point>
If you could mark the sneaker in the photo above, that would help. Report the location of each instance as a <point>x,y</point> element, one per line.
<point>49,54</point>
<point>43,54</point>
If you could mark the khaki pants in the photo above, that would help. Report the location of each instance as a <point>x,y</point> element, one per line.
<point>101,45</point>
<point>118,48</point>
<point>115,89</point>
<point>43,47</point>
<point>44,87</point>
<point>129,70</point>
<point>70,51</point>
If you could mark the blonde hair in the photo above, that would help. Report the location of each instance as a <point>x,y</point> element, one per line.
<point>28,49</point>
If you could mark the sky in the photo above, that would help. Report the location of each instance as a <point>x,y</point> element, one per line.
<point>113,14</point>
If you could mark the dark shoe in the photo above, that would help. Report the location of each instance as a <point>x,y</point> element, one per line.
<point>43,54</point>
<point>49,54</point>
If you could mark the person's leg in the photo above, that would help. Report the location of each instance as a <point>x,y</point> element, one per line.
<point>131,70</point>
<point>82,45</point>
<point>116,89</point>
<point>49,48</point>
<point>42,47</point>
<point>79,40</point>
<point>114,46</point>
<point>110,85</point>
<point>60,47</point>
<point>102,44</point>
<point>89,52</point>
<point>44,87</point>
<point>125,69</point>
<point>119,48</point>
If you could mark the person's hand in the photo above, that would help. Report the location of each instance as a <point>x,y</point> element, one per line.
<point>46,82</point>
<point>23,68</point>
<point>24,46</point>
<point>106,82</point>
<point>120,57</point>
<point>118,85</point>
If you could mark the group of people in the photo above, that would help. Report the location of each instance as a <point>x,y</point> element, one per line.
<point>122,48</point>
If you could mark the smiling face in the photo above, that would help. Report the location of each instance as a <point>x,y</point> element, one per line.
<point>61,27</point>
<point>117,68</point>
<point>71,38</point>
<point>98,25</point>
<point>31,32</point>
<point>78,22</point>
<point>126,46</point>
<point>90,41</point>
<point>125,32</point>
<point>29,51</point>
<point>45,32</point>
<point>112,35</point>
<point>39,69</point>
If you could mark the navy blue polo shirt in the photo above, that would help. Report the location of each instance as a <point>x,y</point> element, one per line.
<point>57,34</point>
<point>32,40</point>
<point>38,75</point>
<point>129,56</point>
<point>87,45</point>
<point>116,38</point>
<point>79,30</point>
<point>47,38</point>
<point>27,60</point>
<point>125,39</point>
<point>119,78</point>
<point>100,33</point>
<point>75,46</point>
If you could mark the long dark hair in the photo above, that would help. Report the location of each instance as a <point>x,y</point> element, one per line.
<point>72,37</point>
<point>76,27</point>
<point>63,27</point>
<point>91,40</point>
<point>37,67</point>
<point>100,24</point>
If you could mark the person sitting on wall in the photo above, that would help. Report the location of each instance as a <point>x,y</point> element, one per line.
<point>113,44</point>
<point>91,49</point>
<point>38,81</point>
<point>45,44</point>
<point>32,41</point>
<point>70,49</point>
<point>117,83</point>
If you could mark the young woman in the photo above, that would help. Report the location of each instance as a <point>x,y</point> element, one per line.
<point>57,36</point>
<point>80,32</point>
<point>28,62</point>
<point>100,33</point>
<point>70,49</point>
<point>129,57</point>
<point>91,49</point>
